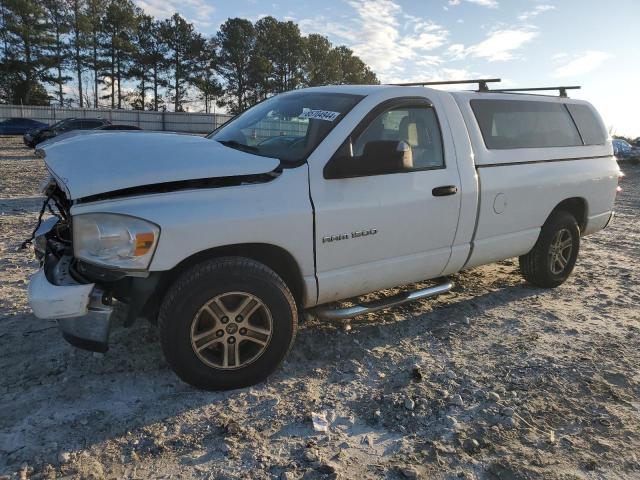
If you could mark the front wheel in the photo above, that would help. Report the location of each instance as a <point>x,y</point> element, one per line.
<point>554,255</point>
<point>227,323</point>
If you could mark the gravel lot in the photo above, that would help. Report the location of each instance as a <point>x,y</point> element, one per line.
<point>497,380</point>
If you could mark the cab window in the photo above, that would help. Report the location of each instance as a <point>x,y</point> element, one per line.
<point>415,125</point>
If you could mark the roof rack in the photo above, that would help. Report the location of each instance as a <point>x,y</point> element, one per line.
<point>483,87</point>
<point>561,90</point>
<point>482,83</point>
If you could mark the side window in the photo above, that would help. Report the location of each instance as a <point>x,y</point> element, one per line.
<point>591,129</point>
<point>88,124</point>
<point>507,124</point>
<point>415,125</point>
<point>66,126</point>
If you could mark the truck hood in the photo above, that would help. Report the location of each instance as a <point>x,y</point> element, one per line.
<point>88,165</point>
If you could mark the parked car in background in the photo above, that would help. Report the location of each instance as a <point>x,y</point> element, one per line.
<point>19,126</point>
<point>34,137</point>
<point>102,129</point>
<point>621,147</point>
<point>623,150</point>
<point>635,151</point>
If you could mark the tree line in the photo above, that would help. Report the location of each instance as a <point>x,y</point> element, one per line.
<point>97,53</point>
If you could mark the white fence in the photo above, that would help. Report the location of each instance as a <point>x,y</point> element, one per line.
<point>147,120</point>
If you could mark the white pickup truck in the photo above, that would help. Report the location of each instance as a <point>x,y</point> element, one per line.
<point>308,198</point>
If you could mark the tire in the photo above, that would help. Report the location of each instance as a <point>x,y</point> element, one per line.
<point>542,266</point>
<point>198,303</point>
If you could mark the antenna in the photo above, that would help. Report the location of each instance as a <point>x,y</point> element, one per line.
<point>482,83</point>
<point>561,90</point>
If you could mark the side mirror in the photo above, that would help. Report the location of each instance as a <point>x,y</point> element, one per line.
<point>379,157</point>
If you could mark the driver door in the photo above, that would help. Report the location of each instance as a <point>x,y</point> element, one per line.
<point>376,231</point>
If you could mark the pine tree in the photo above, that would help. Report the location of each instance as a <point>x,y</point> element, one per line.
<point>149,63</point>
<point>282,46</point>
<point>322,62</point>
<point>289,56</point>
<point>353,70</point>
<point>262,59</point>
<point>79,27</point>
<point>259,77</point>
<point>142,43</point>
<point>95,13</point>
<point>206,78</point>
<point>157,63</point>
<point>119,27</point>
<point>237,40</point>
<point>107,43</point>
<point>184,46</point>
<point>27,41</point>
<point>5,76</point>
<point>58,20</point>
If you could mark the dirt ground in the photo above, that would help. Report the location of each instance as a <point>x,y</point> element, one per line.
<point>497,380</point>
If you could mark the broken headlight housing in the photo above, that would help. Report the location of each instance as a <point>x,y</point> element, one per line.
<point>114,241</point>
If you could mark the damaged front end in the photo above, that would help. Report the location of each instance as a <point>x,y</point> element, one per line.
<point>57,291</point>
<point>96,263</point>
<point>85,299</point>
<point>84,311</point>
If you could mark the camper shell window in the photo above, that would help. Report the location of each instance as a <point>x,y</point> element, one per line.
<point>509,124</point>
<point>590,127</point>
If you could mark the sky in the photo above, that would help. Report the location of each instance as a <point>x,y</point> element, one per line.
<point>526,43</point>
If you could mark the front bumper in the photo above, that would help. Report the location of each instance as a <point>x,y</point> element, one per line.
<point>82,313</point>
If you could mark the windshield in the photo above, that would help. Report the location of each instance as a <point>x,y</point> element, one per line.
<point>288,126</point>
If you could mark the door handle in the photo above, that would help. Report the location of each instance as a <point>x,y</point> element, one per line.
<point>444,191</point>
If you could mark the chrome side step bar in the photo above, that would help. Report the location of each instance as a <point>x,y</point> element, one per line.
<point>327,313</point>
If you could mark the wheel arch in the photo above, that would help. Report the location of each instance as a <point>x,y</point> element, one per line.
<point>576,206</point>
<point>276,258</point>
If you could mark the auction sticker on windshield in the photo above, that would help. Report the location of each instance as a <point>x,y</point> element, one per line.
<point>319,115</point>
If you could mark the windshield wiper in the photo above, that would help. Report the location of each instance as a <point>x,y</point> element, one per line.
<point>238,146</point>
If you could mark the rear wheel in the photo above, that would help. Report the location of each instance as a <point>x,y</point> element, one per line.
<point>554,255</point>
<point>227,323</point>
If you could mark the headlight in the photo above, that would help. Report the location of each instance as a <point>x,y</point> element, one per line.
<point>115,241</point>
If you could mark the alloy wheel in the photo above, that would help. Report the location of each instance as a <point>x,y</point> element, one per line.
<point>231,330</point>
<point>560,251</point>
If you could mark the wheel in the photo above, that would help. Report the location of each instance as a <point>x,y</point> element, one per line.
<point>554,255</point>
<point>227,323</point>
